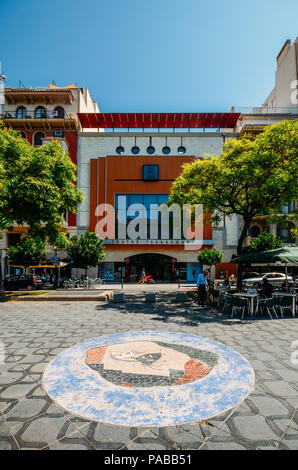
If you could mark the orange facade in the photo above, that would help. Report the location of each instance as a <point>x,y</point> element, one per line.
<point>124,175</point>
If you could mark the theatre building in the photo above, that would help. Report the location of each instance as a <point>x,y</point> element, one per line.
<point>137,157</point>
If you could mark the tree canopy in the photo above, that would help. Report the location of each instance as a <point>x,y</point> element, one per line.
<point>265,241</point>
<point>86,250</point>
<point>36,185</point>
<point>209,257</point>
<point>253,176</point>
<point>29,251</point>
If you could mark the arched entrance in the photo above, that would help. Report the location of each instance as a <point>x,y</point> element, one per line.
<point>161,267</point>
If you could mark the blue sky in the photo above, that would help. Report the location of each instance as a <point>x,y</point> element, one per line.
<point>149,55</point>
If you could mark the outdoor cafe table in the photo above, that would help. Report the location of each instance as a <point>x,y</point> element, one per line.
<point>287,294</point>
<point>251,298</point>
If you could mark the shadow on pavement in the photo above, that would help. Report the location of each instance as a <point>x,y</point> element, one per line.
<point>166,309</point>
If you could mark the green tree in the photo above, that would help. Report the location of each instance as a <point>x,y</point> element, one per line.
<point>208,257</point>
<point>253,176</point>
<point>294,232</point>
<point>86,250</point>
<point>36,186</point>
<point>28,251</point>
<point>265,241</point>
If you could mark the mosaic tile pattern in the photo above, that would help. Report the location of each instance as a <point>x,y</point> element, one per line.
<point>147,364</point>
<point>226,379</point>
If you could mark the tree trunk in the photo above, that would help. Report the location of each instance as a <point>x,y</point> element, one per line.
<point>242,237</point>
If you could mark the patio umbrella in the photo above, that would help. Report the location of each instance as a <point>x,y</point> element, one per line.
<point>285,254</point>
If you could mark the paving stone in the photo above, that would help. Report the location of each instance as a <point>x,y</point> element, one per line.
<point>254,428</point>
<point>17,391</point>
<point>183,438</point>
<point>102,434</point>
<point>268,406</point>
<point>26,409</point>
<point>284,425</point>
<point>281,388</point>
<point>42,430</point>
<point>75,442</point>
<point>10,377</point>
<point>210,445</point>
<point>287,374</point>
<point>149,440</point>
<point>291,445</point>
<point>5,445</point>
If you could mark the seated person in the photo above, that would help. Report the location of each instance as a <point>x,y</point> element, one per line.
<point>267,289</point>
<point>285,286</point>
<point>225,285</point>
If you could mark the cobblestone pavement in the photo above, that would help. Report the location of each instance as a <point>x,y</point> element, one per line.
<point>34,333</point>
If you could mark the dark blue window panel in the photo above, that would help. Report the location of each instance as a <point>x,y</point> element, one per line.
<point>150,172</point>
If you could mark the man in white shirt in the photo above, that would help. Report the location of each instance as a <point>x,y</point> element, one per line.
<point>202,281</point>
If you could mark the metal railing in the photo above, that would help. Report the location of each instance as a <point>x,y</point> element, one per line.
<point>37,114</point>
<point>265,110</point>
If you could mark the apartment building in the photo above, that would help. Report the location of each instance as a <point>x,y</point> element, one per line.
<point>42,114</point>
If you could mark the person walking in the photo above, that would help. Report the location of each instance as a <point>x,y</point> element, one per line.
<point>143,277</point>
<point>202,281</point>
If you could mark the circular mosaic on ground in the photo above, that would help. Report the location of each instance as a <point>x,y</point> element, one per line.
<point>148,379</point>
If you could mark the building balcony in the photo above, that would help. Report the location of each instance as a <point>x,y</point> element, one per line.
<point>265,110</point>
<point>255,119</point>
<point>32,119</point>
<point>38,95</point>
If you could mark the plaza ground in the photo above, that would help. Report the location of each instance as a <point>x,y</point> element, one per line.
<point>34,333</point>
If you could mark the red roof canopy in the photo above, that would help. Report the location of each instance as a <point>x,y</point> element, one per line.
<point>158,120</point>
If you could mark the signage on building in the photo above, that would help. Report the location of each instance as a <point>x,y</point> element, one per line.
<point>117,241</point>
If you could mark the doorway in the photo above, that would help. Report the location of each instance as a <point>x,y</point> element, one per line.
<point>161,267</point>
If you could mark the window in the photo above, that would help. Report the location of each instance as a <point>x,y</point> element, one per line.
<point>23,135</point>
<point>120,150</point>
<point>288,208</point>
<point>284,232</point>
<point>13,239</point>
<point>38,138</point>
<point>150,172</point>
<point>135,150</point>
<point>181,150</point>
<point>21,112</point>
<point>58,133</point>
<point>60,113</point>
<point>147,200</point>
<point>40,112</point>
<point>166,150</point>
<point>255,231</point>
<point>150,150</point>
